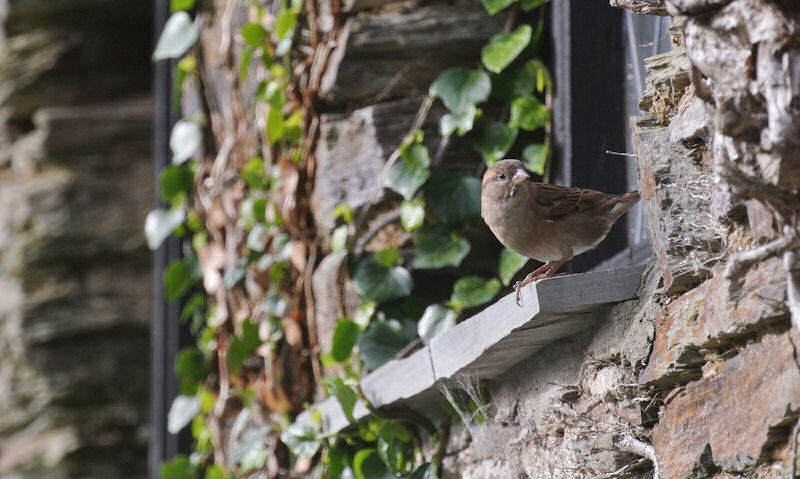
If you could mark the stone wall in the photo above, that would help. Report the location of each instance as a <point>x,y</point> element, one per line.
<point>75,185</point>
<point>700,375</point>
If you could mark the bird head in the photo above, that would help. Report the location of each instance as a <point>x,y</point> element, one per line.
<point>504,177</point>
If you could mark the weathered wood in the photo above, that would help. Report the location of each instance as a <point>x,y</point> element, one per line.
<point>400,53</point>
<point>491,342</point>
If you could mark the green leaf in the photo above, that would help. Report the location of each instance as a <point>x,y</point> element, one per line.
<point>242,346</point>
<point>344,338</point>
<point>434,321</point>
<point>301,439</point>
<point>177,5</point>
<point>528,113</point>
<point>159,224</point>
<point>282,246</point>
<point>409,172</point>
<point>343,211</point>
<point>178,468</point>
<point>215,472</point>
<point>510,263</point>
<point>179,35</point>
<point>177,280</point>
<point>344,394</point>
<point>190,367</point>
<point>534,156</point>
<point>253,34</point>
<point>185,140</point>
<point>381,342</point>
<point>494,6</point>
<point>284,23</point>
<point>531,4</point>
<point>388,257</point>
<point>174,183</point>
<point>460,88</point>
<point>437,247</point>
<point>425,471</point>
<point>395,446</point>
<point>453,198</point>
<point>495,140</point>
<point>253,174</point>
<point>473,291</point>
<point>379,283</point>
<point>515,82</point>
<point>274,125</point>
<point>503,48</point>
<point>181,413</point>
<point>368,465</point>
<point>412,213</point>
<point>458,122</point>
<point>339,238</point>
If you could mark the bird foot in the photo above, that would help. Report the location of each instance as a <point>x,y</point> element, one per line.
<point>541,273</point>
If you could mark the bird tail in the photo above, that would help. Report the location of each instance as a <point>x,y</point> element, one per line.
<point>623,202</point>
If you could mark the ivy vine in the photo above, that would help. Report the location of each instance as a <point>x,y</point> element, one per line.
<point>433,203</point>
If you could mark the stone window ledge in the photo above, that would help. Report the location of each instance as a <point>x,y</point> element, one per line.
<point>489,343</point>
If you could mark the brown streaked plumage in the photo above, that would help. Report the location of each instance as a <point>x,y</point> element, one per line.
<point>548,223</point>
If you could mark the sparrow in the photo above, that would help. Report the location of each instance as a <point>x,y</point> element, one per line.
<point>548,223</point>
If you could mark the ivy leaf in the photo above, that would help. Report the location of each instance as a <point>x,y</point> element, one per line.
<point>425,471</point>
<point>495,140</point>
<point>531,4</point>
<point>339,238</point>
<point>344,394</point>
<point>215,472</point>
<point>459,88</point>
<point>177,5</point>
<point>185,140</point>
<point>174,182</point>
<point>190,367</point>
<point>412,213</point>
<point>257,238</point>
<point>368,465</point>
<point>515,82</point>
<point>458,122</point>
<point>388,257</point>
<point>503,48</point>
<point>473,291</point>
<point>179,35</point>
<point>494,6</point>
<point>181,413</point>
<point>381,342</point>
<point>253,34</point>
<point>177,280</point>
<point>534,156</point>
<point>395,446</point>
<point>253,174</point>
<point>285,22</point>
<point>528,113</point>
<point>178,468</point>
<point>160,223</point>
<point>242,346</point>
<point>301,438</point>
<point>274,125</point>
<point>453,198</point>
<point>510,263</point>
<point>437,247</point>
<point>380,284</point>
<point>344,338</point>
<point>435,320</point>
<point>409,172</point>
<point>274,304</point>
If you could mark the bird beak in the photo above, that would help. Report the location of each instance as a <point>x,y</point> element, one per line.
<point>520,177</point>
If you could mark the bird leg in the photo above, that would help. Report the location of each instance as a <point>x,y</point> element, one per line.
<point>547,270</point>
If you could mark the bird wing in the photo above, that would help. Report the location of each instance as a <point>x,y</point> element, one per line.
<point>553,201</point>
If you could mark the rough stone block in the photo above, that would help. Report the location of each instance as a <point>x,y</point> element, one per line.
<point>398,53</point>
<point>717,311</point>
<point>732,419</point>
<point>685,236</point>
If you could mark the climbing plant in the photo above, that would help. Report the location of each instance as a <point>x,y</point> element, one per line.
<point>242,281</point>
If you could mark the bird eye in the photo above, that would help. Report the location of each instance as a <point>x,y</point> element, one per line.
<point>501,176</point>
